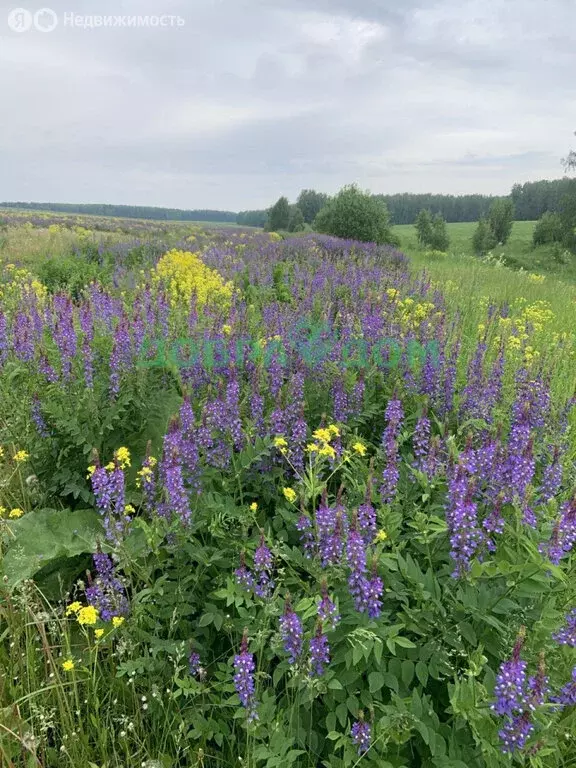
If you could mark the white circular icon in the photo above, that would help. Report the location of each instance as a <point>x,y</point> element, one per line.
<point>19,20</point>
<point>45,20</point>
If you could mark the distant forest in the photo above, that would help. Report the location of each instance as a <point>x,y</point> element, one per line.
<point>530,200</point>
<point>128,211</point>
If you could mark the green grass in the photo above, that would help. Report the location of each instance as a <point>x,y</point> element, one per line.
<point>518,253</point>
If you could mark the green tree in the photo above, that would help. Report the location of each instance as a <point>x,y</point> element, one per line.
<point>311,203</point>
<point>501,219</point>
<point>440,240</point>
<point>483,240</point>
<point>356,215</point>
<point>296,222</point>
<point>549,229</point>
<point>424,227</point>
<point>279,215</point>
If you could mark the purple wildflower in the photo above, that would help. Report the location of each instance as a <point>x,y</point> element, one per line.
<point>244,667</point>
<point>367,515</point>
<point>38,418</point>
<point>511,683</point>
<point>327,610</point>
<point>361,734</point>
<point>263,565</point>
<point>106,592</point>
<point>244,577</point>
<point>319,652</point>
<point>291,631</point>
<point>194,663</point>
<point>567,635</point>
<point>304,525</point>
<point>564,532</point>
<point>567,695</point>
<point>373,591</point>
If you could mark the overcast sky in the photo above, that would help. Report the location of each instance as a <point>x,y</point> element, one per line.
<point>250,99</point>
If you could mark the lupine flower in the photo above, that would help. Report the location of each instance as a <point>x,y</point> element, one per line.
<point>391,474</point>
<point>361,734</point>
<point>244,667</point>
<point>421,442</point>
<point>367,515</point>
<point>263,565</point>
<point>243,576</point>
<point>38,418</point>
<point>194,663</point>
<point>567,695</point>
<point>511,683</point>
<point>106,592</point>
<point>564,532</point>
<point>327,611</point>
<point>291,631</point>
<point>515,733</point>
<point>356,556</point>
<point>373,591</point>
<point>319,652</point>
<point>567,635</point>
<point>551,478</point>
<point>304,525</point>
<point>462,518</point>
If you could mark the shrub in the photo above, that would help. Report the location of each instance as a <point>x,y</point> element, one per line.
<point>483,239</point>
<point>501,219</point>
<point>549,229</point>
<point>279,215</point>
<point>356,215</point>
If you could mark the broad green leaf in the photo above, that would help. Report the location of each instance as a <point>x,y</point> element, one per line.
<point>42,537</point>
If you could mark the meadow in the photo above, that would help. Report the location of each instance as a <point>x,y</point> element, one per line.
<point>322,549</point>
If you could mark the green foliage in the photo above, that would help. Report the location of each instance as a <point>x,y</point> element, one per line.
<point>423,226</point>
<point>296,222</point>
<point>501,219</point>
<point>311,203</point>
<point>356,215</point>
<point>69,273</point>
<point>549,229</point>
<point>483,240</point>
<point>35,542</point>
<point>279,215</point>
<point>432,231</point>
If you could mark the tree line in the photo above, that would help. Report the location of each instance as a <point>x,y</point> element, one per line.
<point>128,211</point>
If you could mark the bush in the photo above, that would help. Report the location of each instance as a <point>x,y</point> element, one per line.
<point>356,215</point>
<point>483,240</point>
<point>549,229</point>
<point>501,219</point>
<point>67,273</point>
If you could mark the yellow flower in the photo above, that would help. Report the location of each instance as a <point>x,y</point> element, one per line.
<point>334,431</point>
<point>110,466</point>
<point>280,442</point>
<point>227,329</point>
<point>322,434</point>
<point>360,448</point>
<point>91,470</point>
<point>253,506</point>
<point>2,511</point>
<point>73,608</point>
<point>312,447</point>
<point>327,450</point>
<point>68,665</point>
<point>87,615</point>
<point>1,452</point>
<point>391,293</point>
<point>289,494</point>
<point>123,457</point>
<point>381,535</point>
<point>129,508</point>
<point>117,621</point>
<point>15,513</point>
<point>98,633</point>
<point>21,456</point>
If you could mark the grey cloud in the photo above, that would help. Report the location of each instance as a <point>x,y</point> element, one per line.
<point>255,98</point>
